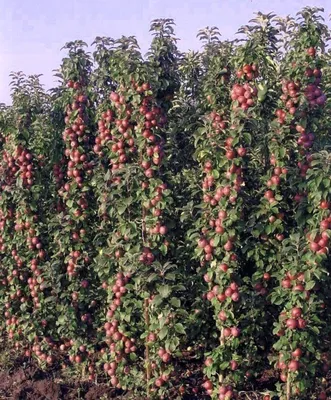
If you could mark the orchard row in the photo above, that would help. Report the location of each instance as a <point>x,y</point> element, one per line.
<point>171,209</point>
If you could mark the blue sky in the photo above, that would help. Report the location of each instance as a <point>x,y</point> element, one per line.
<point>32,32</point>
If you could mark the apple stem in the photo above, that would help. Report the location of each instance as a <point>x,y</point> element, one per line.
<point>222,341</point>
<point>222,337</point>
<point>143,226</point>
<point>147,360</point>
<point>288,387</point>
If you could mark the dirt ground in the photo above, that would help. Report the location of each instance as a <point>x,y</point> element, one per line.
<point>27,382</point>
<point>32,384</point>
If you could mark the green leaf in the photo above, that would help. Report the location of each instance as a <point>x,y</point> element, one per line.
<point>179,328</point>
<point>50,300</point>
<point>157,300</point>
<point>164,291</point>
<point>310,285</point>
<point>163,332</point>
<point>174,301</point>
<point>121,209</point>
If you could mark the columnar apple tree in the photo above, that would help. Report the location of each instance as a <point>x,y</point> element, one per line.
<point>301,264</point>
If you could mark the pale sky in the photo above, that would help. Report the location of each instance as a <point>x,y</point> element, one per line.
<point>32,32</point>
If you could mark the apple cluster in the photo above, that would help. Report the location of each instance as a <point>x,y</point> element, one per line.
<point>244,96</point>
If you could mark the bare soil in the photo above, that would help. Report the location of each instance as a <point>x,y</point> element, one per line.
<point>25,381</point>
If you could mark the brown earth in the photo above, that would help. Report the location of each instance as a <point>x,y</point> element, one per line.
<point>32,384</point>
<point>24,381</point>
